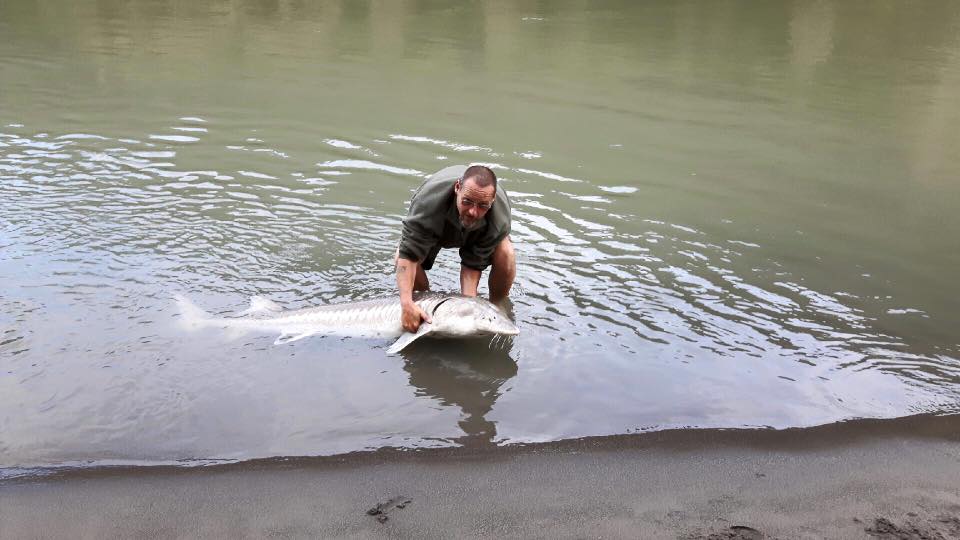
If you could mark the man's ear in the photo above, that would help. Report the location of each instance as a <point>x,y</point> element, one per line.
<point>456,186</point>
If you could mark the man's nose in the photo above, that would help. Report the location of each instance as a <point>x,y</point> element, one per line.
<point>475,212</point>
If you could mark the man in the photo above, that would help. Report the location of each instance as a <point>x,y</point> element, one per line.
<point>456,207</point>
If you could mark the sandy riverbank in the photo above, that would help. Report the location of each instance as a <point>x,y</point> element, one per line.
<point>887,479</point>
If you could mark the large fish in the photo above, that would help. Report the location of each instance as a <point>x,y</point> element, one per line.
<point>452,315</point>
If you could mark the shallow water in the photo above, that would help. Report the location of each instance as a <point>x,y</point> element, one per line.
<point>726,215</point>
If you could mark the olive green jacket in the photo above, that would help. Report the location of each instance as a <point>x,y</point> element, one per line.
<point>433,222</point>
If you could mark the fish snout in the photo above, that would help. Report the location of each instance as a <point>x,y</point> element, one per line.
<point>507,328</point>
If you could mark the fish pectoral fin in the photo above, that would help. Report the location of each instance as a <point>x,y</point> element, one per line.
<point>260,306</point>
<point>407,338</point>
<point>290,338</point>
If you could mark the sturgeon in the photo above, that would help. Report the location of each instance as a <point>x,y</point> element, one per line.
<point>452,316</point>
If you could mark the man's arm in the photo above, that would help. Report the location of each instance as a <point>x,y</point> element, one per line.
<point>469,280</point>
<point>411,313</point>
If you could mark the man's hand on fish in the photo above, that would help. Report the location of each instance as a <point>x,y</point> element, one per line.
<point>412,316</point>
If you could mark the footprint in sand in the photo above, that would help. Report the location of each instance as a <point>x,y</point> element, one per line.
<point>381,509</point>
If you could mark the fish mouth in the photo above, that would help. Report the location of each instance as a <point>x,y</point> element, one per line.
<point>509,332</point>
<point>494,332</point>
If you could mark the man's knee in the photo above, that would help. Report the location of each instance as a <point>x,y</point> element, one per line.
<point>504,270</point>
<point>504,256</point>
<point>421,282</point>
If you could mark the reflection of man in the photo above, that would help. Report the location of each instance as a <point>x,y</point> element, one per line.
<point>456,207</point>
<point>465,375</point>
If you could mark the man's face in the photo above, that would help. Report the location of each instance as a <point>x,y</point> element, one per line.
<point>473,202</point>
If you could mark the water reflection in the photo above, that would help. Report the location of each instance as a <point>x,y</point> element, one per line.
<point>466,374</point>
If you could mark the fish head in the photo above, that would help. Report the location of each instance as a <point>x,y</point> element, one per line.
<point>462,316</point>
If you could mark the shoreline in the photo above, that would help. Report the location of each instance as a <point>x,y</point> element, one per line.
<point>854,431</point>
<point>899,478</point>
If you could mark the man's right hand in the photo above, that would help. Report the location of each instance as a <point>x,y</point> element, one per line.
<point>412,315</point>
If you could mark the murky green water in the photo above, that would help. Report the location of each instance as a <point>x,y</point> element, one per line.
<point>726,213</point>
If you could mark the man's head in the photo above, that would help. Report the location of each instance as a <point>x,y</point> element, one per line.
<point>475,193</point>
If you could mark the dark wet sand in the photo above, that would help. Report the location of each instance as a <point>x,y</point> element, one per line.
<point>865,479</point>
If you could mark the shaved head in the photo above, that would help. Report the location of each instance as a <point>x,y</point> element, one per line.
<point>481,175</point>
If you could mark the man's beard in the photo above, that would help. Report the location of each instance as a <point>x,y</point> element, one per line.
<point>477,223</point>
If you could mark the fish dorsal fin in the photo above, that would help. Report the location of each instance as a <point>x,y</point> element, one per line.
<point>407,338</point>
<point>261,306</point>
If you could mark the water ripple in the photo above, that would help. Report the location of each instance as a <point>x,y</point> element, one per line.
<point>106,231</point>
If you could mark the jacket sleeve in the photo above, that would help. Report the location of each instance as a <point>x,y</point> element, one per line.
<point>421,231</point>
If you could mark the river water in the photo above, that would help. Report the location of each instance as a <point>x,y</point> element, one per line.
<point>726,214</point>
